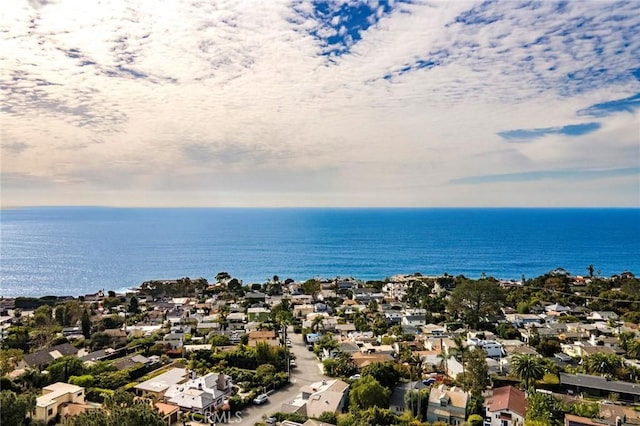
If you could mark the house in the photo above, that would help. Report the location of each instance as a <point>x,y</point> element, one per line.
<point>176,340</point>
<point>393,317</point>
<point>414,320</point>
<point>258,314</point>
<point>491,347</point>
<point>267,336</point>
<point>448,405</point>
<point>118,336</point>
<point>54,397</point>
<point>507,406</point>
<point>344,329</point>
<point>170,413</point>
<point>315,399</point>
<point>90,358</point>
<point>603,316</point>
<point>236,321</point>
<point>396,403</point>
<point>523,320</point>
<point>254,297</point>
<point>362,360</point>
<point>175,316</point>
<point>572,420</point>
<point>600,386</point>
<point>201,394</point>
<point>366,295</point>
<point>207,323</point>
<point>42,358</point>
<point>557,309</point>
<point>133,361</point>
<point>303,310</point>
<point>157,386</point>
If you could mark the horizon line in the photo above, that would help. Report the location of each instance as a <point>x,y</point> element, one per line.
<point>293,207</point>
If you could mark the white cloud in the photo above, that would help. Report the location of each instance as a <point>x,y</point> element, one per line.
<point>232,103</point>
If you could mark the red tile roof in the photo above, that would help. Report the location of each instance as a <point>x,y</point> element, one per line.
<point>508,398</point>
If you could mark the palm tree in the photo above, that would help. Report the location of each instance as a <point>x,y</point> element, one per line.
<point>317,322</point>
<point>460,350</point>
<point>444,360</point>
<point>527,367</point>
<point>603,364</point>
<point>633,349</point>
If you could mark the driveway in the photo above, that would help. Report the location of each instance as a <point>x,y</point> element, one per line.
<point>307,371</point>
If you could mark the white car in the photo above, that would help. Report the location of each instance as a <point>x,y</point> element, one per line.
<point>261,399</point>
<point>354,377</point>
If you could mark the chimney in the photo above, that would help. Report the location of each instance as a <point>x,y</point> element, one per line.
<point>221,382</point>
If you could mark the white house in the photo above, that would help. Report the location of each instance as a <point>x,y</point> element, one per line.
<point>491,347</point>
<point>201,394</point>
<point>54,397</point>
<point>506,406</point>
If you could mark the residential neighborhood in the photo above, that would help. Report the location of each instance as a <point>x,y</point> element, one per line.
<point>406,350</point>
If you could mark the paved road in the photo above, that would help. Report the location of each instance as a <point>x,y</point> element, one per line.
<point>307,371</point>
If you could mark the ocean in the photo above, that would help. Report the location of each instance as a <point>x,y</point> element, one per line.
<point>80,250</point>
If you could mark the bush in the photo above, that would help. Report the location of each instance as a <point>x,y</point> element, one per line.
<point>97,394</point>
<point>86,380</point>
<point>475,420</point>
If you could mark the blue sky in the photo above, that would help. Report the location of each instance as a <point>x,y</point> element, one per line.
<point>320,103</point>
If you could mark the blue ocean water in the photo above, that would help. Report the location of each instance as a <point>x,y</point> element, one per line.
<point>74,251</point>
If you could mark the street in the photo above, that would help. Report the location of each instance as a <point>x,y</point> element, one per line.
<point>307,371</point>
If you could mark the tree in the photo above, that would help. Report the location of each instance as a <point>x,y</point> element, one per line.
<point>317,322</point>
<point>311,287</point>
<point>85,323</point>
<point>591,269</point>
<point>62,368</point>
<point>120,409</point>
<point>14,408</point>
<point>17,338</point>
<point>603,364</point>
<point>328,417</point>
<point>476,301</point>
<point>460,351</point>
<point>475,420</point>
<point>476,378</point>
<point>384,372</point>
<point>368,392</point>
<point>9,359</point>
<point>444,360</point>
<point>543,410</point>
<point>133,305</point>
<point>528,368</point>
<point>86,380</point>
<point>265,373</point>
<point>222,276</point>
<point>417,402</point>
<point>376,416</point>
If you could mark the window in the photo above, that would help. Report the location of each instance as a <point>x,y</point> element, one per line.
<point>80,393</point>
<point>504,423</point>
<point>50,412</point>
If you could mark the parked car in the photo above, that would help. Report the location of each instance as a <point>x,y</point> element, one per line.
<point>310,347</point>
<point>261,399</point>
<point>270,421</point>
<point>354,377</point>
<point>292,362</point>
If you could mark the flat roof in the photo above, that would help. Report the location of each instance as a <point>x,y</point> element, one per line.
<point>164,380</point>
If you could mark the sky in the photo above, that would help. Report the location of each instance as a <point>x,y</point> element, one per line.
<point>328,103</point>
